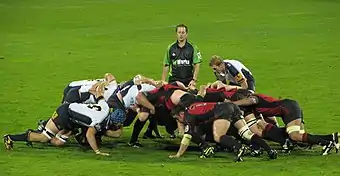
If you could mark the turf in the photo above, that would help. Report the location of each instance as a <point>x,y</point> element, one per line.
<point>292,48</point>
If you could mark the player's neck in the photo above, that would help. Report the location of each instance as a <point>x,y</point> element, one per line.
<point>181,43</point>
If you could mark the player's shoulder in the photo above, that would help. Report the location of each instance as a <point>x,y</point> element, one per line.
<point>172,44</point>
<point>192,44</point>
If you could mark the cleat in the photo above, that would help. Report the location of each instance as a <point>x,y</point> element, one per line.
<point>272,154</point>
<point>8,142</point>
<point>336,141</point>
<point>240,153</point>
<point>255,153</point>
<point>135,145</point>
<point>207,152</point>
<point>29,144</point>
<point>327,148</point>
<point>41,125</point>
<point>288,146</point>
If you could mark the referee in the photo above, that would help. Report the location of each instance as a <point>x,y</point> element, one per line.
<point>182,59</point>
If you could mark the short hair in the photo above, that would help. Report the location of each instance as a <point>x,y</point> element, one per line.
<point>182,25</point>
<point>215,60</point>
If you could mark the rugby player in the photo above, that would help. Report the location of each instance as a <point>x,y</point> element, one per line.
<point>223,115</point>
<point>291,114</point>
<point>232,72</point>
<point>67,117</point>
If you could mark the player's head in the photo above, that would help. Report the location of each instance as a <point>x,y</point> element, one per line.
<point>217,64</point>
<point>182,32</point>
<point>116,118</point>
<point>178,113</point>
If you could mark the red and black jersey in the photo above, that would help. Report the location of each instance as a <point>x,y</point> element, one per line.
<point>162,95</point>
<point>200,112</point>
<point>218,95</point>
<point>269,106</point>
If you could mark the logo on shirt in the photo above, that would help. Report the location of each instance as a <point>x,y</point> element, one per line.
<point>183,62</point>
<point>173,54</point>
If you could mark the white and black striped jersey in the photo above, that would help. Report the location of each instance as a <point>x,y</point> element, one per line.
<point>236,72</point>
<point>89,114</point>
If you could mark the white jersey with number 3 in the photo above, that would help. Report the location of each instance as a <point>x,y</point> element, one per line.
<point>95,112</point>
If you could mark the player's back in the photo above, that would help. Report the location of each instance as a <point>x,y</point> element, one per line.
<point>238,65</point>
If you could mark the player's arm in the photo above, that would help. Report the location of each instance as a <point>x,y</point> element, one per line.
<point>91,139</point>
<point>166,64</point>
<point>238,76</point>
<point>181,85</point>
<point>114,133</point>
<point>142,100</point>
<point>196,61</point>
<point>184,142</point>
<point>247,101</point>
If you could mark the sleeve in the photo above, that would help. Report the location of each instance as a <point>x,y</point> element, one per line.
<point>197,55</point>
<point>235,73</point>
<point>166,60</point>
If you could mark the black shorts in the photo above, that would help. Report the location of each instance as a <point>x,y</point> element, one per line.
<point>228,111</point>
<point>163,118</point>
<point>130,117</point>
<point>62,118</point>
<point>214,97</point>
<point>292,111</point>
<point>187,99</point>
<point>73,96</point>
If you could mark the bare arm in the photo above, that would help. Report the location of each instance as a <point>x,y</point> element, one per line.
<point>247,101</point>
<point>165,72</point>
<point>196,71</point>
<point>142,100</point>
<point>244,84</point>
<point>90,136</point>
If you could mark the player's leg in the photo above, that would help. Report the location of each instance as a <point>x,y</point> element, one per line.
<point>293,130</point>
<point>31,136</point>
<point>293,122</point>
<point>220,128</point>
<point>61,137</point>
<point>137,128</point>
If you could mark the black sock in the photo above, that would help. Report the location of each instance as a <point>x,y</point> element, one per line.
<point>328,137</point>
<point>152,126</point>
<point>274,134</point>
<point>19,137</point>
<point>137,127</point>
<point>314,139</point>
<point>229,143</point>
<point>259,141</point>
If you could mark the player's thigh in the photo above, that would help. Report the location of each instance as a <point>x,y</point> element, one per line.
<point>220,128</point>
<point>143,116</point>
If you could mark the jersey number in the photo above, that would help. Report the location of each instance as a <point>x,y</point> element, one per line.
<point>95,107</point>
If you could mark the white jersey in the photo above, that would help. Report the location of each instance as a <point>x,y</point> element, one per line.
<point>234,71</point>
<point>84,82</point>
<point>109,89</point>
<point>129,98</point>
<point>89,114</point>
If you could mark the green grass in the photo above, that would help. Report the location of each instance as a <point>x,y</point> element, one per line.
<point>291,46</point>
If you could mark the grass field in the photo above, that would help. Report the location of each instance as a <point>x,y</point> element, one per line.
<point>291,46</point>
